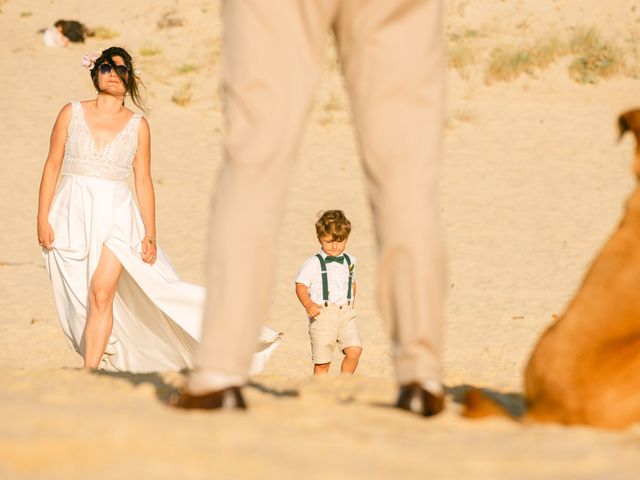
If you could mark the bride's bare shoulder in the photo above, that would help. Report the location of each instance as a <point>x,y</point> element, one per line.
<point>66,109</point>
<point>64,116</point>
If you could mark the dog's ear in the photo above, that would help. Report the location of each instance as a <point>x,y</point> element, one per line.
<point>629,121</point>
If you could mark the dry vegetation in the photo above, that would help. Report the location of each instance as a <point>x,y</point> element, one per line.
<point>150,51</point>
<point>187,68</point>
<point>591,57</point>
<point>104,33</point>
<point>464,116</point>
<point>463,52</point>
<point>632,48</point>
<point>169,20</point>
<point>508,63</point>
<point>594,57</point>
<point>182,96</point>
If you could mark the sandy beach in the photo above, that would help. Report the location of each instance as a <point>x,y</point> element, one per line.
<point>533,182</point>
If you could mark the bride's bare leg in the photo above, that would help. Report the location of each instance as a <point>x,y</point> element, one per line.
<point>102,290</point>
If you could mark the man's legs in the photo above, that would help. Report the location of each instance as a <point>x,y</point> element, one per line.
<point>393,56</point>
<point>272,60</point>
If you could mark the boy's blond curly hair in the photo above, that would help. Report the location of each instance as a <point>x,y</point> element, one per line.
<point>333,223</point>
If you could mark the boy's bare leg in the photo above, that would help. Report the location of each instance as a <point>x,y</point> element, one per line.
<point>321,368</point>
<point>351,359</point>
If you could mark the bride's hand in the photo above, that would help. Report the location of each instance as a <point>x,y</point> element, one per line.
<point>45,234</point>
<point>149,249</point>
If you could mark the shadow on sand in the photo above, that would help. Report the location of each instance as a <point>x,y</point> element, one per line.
<point>514,403</point>
<point>165,389</point>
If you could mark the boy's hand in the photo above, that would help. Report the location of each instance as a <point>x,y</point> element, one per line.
<point>313,309</point>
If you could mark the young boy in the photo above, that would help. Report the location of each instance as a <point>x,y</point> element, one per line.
<point>326,288</point>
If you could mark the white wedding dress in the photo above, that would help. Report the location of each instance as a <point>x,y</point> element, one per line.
<point>157,318</point>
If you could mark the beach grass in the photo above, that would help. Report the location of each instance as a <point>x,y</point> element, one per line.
<point>632,48</point>
<point>595,58</point>
<point>508,63</point>
<point>104,33</point>
<point>187,68</point>
<point>464,115</point>
<point>462,56</point>
<point>589,55</point>
<point>463,51</point>
<point>150,51</point>
<point>182,96</point>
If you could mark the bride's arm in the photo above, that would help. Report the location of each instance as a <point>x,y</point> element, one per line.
<point>50,174</point>
<point>144,191</point>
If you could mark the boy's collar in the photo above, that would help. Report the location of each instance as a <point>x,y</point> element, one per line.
<point>324,255</point>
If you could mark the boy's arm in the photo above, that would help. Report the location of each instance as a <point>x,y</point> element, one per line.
<point>354,293</point>
<point>302,292</point>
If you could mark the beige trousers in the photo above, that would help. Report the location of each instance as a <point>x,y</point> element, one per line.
<point>392,52</point>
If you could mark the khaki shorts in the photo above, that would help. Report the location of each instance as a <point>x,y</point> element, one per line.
<point>336,325</point>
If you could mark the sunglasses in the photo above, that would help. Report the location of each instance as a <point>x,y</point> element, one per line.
<point>105,69</point>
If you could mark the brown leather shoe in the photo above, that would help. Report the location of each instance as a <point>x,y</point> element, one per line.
<point>226,399</point>
<point>415,399</point>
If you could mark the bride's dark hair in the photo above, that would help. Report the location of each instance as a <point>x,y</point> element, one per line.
<point>130,81</point>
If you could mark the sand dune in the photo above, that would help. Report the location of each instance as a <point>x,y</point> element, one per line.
<point>533,182</point>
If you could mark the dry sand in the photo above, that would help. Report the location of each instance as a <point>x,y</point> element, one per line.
<point>533,183</point>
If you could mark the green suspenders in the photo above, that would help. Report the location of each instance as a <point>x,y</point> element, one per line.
<point>346,257</point>
<point>325,282</point>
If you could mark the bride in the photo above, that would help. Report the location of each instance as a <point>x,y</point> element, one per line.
<point>119,300</point>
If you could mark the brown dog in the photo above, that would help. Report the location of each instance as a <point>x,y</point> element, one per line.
<point>585,368</point>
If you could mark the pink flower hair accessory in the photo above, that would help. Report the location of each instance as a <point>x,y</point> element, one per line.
<point>89,59</point>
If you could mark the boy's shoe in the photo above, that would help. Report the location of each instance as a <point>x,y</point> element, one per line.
<point>416,399</point>
<point>226,399</point>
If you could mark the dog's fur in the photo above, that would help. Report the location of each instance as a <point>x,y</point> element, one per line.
<point>585,368</point>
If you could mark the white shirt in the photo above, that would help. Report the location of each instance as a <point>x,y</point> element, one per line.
<point>310,274</point>
<point>52,37</point>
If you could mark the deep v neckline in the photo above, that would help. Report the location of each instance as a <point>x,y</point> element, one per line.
<point>93,140</point>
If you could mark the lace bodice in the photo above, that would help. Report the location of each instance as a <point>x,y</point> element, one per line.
<point>113,162</point>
